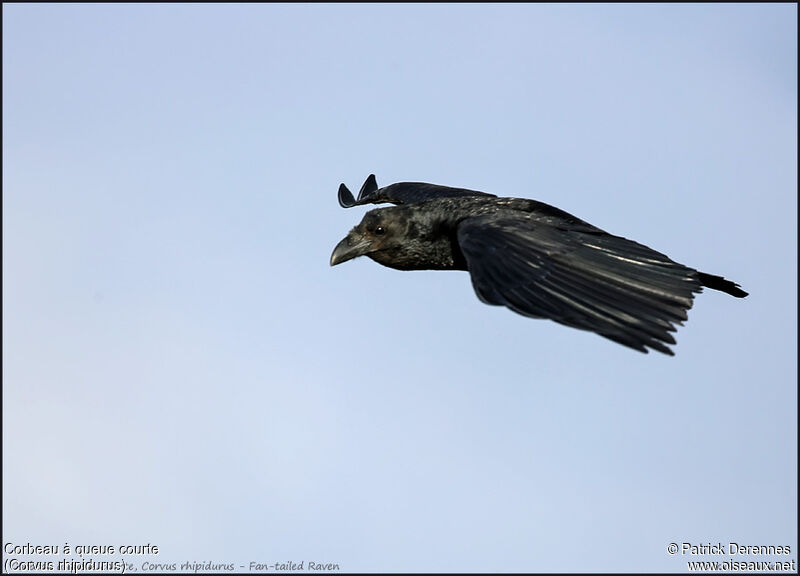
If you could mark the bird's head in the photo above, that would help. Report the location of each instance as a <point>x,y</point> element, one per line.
<point>400,237</point>
<point>379,235</point>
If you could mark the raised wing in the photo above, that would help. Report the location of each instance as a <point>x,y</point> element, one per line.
<point>594,281</point>
<point>400,193</point>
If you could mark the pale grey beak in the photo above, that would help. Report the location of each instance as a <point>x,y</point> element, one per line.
<point>351,246</point>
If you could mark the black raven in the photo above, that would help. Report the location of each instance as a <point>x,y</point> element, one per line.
<point>533,258</point>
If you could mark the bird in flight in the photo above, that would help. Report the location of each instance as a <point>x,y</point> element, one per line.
<point>533,258</point>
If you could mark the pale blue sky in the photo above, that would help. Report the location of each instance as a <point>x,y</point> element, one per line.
<point>182,367</point>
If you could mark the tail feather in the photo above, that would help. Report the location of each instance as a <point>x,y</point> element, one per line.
<point>721,284</point>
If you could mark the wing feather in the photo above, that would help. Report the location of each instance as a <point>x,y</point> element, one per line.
<point>590,280</point>
<point>401,193</point>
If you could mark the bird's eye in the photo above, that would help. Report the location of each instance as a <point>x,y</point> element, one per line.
<point>380,231</point>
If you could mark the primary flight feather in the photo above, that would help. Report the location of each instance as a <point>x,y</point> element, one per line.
<point>533,258</point>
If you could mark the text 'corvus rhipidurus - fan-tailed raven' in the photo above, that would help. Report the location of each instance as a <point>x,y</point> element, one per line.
<point>533,258</point>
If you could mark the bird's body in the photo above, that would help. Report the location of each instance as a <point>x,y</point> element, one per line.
<point>530,257</point>
<point>434,225</point>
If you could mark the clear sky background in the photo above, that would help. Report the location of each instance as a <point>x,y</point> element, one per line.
<point>182,367</point>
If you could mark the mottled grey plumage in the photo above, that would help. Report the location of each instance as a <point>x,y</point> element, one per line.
<point>530,257</point>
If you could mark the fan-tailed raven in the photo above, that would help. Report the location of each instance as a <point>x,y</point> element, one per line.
<point>533,258</point>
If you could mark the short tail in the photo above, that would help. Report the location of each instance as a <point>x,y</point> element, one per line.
<point>719,283</point>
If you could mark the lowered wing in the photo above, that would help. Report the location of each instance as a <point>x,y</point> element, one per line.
<point>594,281</point>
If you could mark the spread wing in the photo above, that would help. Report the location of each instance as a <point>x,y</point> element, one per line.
<point>400,193</point>
<point>583,278</point>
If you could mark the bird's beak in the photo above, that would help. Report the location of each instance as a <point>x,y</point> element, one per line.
<point>351,246</point>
